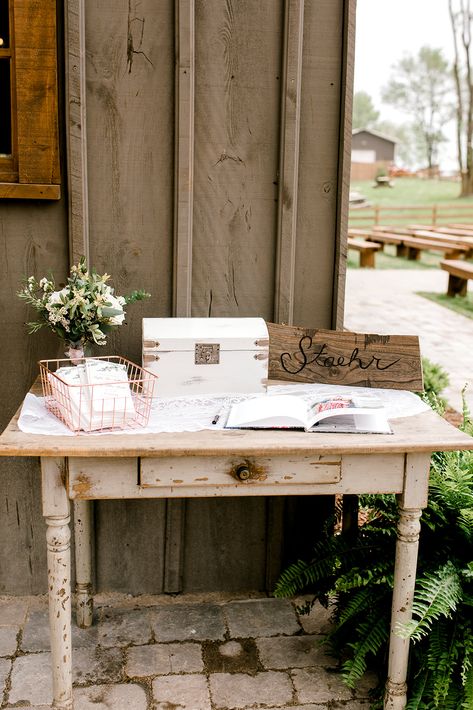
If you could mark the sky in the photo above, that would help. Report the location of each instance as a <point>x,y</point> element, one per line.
<point>386,30</point>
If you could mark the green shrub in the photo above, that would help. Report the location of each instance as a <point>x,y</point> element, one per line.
<point>355,576</point>
<point>435,380</point>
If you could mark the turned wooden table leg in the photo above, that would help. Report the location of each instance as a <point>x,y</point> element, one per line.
<point>411,503</point>
<point>83,535</point>
<point>58,537</point>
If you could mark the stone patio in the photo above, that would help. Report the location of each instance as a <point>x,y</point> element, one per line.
<point>183,653</point>
<point>387,301</point>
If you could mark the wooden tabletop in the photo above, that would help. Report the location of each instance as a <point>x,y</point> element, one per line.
<point>426,432</point>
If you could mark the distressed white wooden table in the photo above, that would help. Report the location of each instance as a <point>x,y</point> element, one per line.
<point>226,463</point>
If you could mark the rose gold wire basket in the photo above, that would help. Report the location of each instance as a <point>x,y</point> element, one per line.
<point>118,401</point>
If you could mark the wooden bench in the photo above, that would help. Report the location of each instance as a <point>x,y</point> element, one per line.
<point>413,246</point>
<point>461,240</point>
<point>392,235</point>
<point>459,272</point>
<point>461,225</point>
<point>367,251</point>
<point>374,236</point>
<point>443,229</point>
<point>409,245</point>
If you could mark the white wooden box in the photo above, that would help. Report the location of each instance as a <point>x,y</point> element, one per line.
<point>206,355</point>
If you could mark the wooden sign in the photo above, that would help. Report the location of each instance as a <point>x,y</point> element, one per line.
<point>343,358</point>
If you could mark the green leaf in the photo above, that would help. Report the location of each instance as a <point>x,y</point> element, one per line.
<point>108,311</point>
<point>437,594</point>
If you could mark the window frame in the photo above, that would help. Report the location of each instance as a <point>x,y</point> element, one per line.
<point>32,171</point>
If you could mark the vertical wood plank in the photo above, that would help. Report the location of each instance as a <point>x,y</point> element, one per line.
<point>183,228</point>
<point>225,545</point>
<point>318,162</point>
<point>275,536</point>
<point>344,162</point>
<point>174,545</point>
<point>76,130</point>
<point>22,548</point>
<point>237,113</point>
<point>237,106</point>
<point>135,566</point>
<point>289,161</point>
<point>130,146</point>
<point>184,157</point>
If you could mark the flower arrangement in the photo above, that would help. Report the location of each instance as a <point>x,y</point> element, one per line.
<point>85,310</point>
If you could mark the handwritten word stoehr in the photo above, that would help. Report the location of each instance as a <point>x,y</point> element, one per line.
<point>303,357</point>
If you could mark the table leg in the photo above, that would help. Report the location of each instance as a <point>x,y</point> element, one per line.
<point>83,535</point>
<point>411,502</point>
<point>58,536</point>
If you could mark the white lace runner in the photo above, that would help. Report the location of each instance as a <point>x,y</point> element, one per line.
<point>198,413</point>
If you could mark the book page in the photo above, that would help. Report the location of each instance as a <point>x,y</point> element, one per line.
<point>362,423</point>
<point>349,413</point>
<point>269,412</point>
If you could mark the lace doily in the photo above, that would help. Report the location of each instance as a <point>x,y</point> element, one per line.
<point>197,413</point>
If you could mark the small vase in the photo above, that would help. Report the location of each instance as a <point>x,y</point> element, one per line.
<point>75,352</point>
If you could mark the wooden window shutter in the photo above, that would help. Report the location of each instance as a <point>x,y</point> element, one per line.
<point>35,69</point>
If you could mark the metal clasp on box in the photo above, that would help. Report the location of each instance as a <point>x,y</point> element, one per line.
<point>207,353</point>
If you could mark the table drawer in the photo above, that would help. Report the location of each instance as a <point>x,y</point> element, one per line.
<point>242,471</point>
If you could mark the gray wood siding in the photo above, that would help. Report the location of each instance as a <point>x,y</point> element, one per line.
<point>30,239</point>
<point>205,148</point>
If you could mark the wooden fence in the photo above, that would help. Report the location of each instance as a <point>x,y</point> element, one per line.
<point>403,214</point>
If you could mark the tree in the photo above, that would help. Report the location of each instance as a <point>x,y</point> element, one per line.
<point>461,18</point>
<point>364,113</point>
<point>420,87</point>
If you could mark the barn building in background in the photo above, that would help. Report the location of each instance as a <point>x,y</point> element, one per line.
<point>371,153</point>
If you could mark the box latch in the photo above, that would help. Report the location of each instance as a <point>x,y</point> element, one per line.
<point>207,353</point>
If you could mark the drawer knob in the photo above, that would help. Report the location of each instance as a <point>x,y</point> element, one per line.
<point>242,472</point>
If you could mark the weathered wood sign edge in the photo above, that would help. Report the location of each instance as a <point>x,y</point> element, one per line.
<point>344,358</point>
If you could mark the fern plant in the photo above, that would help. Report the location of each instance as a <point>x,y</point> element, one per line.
<point>355,577</point>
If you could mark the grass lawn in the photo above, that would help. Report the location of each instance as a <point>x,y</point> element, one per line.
<point>411,191</point>
<point>459,304</point>
<point>387,259</point>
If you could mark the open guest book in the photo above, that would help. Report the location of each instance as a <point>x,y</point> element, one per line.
<point>350,413</point>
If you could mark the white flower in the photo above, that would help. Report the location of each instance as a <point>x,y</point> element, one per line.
<point>114,302</point>
<point>57,296</point>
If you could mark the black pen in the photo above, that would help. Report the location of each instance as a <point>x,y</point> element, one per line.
<point>217,416</point>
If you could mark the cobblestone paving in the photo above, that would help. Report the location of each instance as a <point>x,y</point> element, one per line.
<point>386,302</point>
<point>178,654</point>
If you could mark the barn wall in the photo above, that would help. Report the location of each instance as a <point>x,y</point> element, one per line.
<point>384,149</point>
<point>207,163</point>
